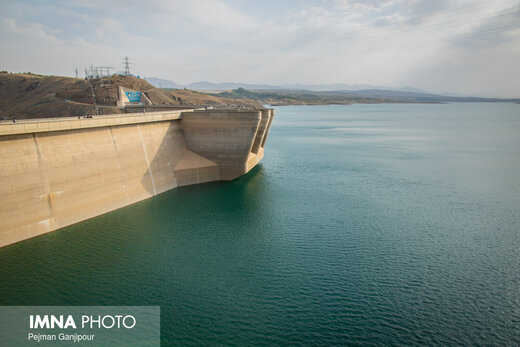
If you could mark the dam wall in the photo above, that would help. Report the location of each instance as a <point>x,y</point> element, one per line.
<point>57,172</point>
<point>227,137</point>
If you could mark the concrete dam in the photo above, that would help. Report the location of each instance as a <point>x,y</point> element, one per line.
<point>57,172</point>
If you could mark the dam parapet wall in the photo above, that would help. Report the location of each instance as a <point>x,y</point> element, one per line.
<point>74,123</point>
<point>57,172</point>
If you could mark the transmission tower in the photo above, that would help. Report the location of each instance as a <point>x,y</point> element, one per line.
<point>126,64</point>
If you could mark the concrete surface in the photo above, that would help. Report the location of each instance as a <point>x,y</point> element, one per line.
<point>57,172</point>
<point>226,137</point>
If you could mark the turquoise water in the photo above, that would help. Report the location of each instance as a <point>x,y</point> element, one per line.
<point>382,224</point>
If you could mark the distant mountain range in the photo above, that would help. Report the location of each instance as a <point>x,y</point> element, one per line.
<point>210,86</point>
<point>339,93</point>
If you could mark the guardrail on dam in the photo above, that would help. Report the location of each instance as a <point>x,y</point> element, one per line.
<point>57,172</point>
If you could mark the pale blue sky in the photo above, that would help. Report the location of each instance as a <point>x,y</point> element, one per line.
<point>464,46</point>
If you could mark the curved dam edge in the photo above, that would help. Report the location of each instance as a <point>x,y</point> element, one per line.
<point>57,172</point>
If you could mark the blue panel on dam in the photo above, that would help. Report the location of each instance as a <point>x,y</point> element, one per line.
<point>134,96</point>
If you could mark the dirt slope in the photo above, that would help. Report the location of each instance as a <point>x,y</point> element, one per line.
<point>25,96</point>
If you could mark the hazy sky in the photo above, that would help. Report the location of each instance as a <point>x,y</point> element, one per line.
<point>464,46</point>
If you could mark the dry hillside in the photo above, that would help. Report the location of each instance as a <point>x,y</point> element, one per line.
<point>25,96</point>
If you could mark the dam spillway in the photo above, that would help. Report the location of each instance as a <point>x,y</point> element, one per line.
<point>57,172</point>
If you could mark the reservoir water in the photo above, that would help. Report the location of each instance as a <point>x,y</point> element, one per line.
<point>384,224</point>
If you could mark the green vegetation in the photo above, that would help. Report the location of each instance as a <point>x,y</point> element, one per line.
<point>278,97</point>
<point>285,97</point>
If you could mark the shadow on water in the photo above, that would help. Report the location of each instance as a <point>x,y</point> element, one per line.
<point>233,199</point>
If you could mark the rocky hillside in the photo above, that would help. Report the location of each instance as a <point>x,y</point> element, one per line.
<point>25,96</point>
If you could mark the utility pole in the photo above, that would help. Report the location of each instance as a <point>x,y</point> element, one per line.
<point>77,76</point>
<point>126,64</point>
<point>107,69</point>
